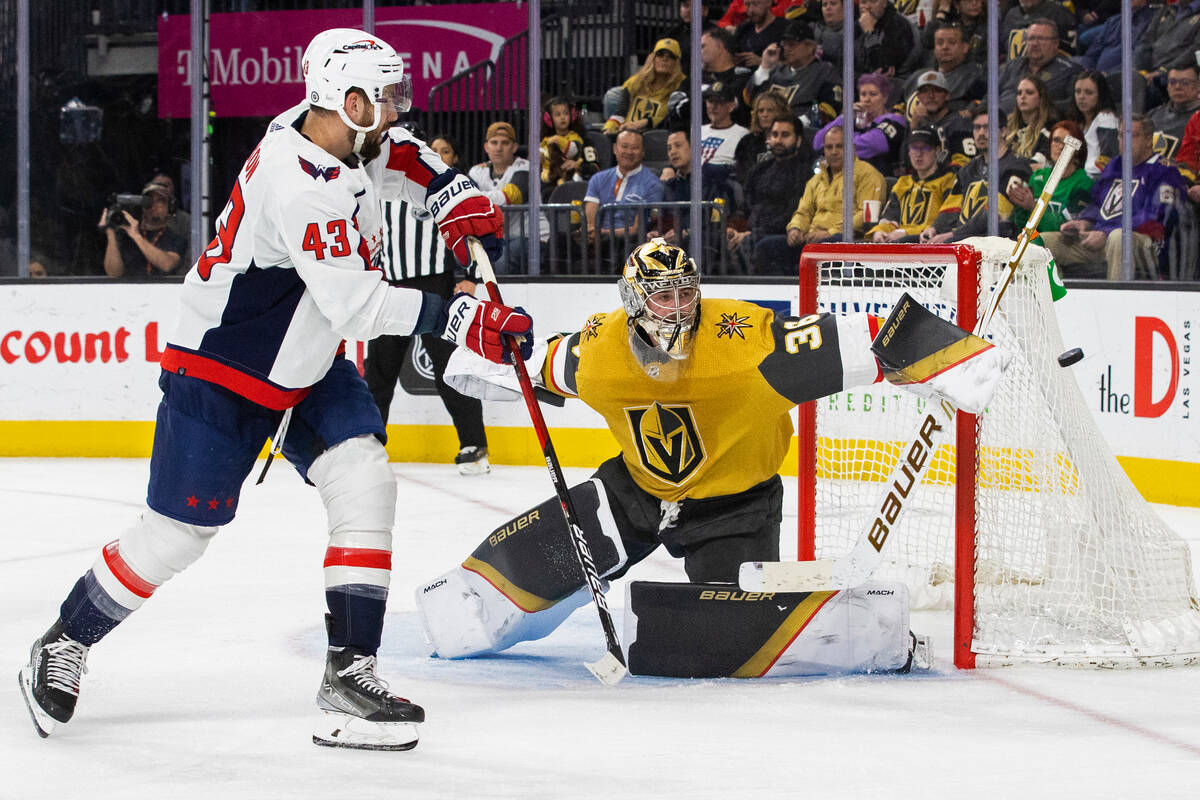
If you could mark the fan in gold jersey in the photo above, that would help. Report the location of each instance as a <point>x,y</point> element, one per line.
<point>698,393</point>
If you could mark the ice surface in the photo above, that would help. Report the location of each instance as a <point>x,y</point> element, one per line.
<point>207,691</point>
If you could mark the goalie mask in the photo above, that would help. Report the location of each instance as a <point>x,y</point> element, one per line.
<point>342,59</point>
<point>660,289</point>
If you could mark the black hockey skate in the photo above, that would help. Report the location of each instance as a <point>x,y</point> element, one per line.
<point>473,460</point>
<point>50,681</point>
<point>357,709</point>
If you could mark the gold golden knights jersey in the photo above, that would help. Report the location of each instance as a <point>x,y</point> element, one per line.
<point>721,425</point>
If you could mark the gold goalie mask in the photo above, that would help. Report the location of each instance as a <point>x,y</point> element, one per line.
<point>660,289</point>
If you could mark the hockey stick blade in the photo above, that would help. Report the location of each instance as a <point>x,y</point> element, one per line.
<point>786,576</point>
<point>608,670</point>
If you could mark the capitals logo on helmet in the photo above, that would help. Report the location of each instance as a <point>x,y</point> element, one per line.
<point>660,290</point>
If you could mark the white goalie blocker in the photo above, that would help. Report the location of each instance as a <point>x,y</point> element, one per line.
<point>469,374</point>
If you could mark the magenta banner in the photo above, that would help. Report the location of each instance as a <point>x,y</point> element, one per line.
<point>255,57</point>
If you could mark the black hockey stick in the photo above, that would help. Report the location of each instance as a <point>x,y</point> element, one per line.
<point>611,668</point>
<point>856,566</point>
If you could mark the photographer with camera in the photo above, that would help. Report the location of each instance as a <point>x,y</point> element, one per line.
<point>145,245</point>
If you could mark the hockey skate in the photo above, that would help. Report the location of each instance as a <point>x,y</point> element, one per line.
<point>50,681</point>
<point>473,460</point>
<point>357,710</point>
<point>920,653</point>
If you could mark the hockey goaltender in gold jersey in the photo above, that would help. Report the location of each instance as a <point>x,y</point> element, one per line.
<point>697,393</point>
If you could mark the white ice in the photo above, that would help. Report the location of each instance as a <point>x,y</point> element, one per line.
<point>207,691</point>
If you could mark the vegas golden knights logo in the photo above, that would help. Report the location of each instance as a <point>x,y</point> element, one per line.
<point>915,206</point>
<point>974,199</point>
<point>1111,207</point>
<point>668,444</point>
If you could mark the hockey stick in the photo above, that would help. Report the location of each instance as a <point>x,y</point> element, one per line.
<point>864,558</point>
<point>611,667</point>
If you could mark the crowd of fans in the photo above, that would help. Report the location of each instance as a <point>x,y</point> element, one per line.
<point>771,142</point>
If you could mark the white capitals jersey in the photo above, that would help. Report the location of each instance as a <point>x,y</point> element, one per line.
<point>293,270</point>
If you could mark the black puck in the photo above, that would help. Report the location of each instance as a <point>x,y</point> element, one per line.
<point>1070,357</point>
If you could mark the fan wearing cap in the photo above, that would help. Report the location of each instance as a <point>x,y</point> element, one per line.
<point>915,200</point>
<point>640,103</point>
<point>719,138</point>
<point>145,246</point>
<point>929,106</point>
<point>791,69</point>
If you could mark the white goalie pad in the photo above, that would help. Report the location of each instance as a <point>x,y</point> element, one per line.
<point>464,616</point>
<point>475,376</point>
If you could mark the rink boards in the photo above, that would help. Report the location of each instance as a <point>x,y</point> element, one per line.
<point>79,366</point>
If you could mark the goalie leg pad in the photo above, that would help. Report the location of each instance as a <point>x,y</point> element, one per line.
<point>697,630</point>
<point>522,581</point>
<point>933,357</point>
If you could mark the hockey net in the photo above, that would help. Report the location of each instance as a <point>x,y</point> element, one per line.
<point>1025,524</point>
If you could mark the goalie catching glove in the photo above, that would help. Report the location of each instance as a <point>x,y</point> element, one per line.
<point>480,326</point>
<point>932,357</point>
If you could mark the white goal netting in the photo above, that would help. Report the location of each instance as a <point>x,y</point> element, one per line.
<point>1070,563</point>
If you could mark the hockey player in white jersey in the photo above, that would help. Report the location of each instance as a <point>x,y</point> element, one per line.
<point>290,274</point>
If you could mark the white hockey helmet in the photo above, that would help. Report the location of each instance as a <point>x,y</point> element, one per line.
<point>660,290</point>
<point>341,59</point>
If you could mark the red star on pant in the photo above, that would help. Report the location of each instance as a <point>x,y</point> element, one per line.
<point>192,501</point>
<point>212,504</point>
<point>229,502</point>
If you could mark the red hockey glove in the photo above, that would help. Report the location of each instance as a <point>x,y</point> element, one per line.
<point>480,325</point>
<point>473,216</point>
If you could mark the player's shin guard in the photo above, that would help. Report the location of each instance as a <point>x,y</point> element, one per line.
<point>522,581</point>
<point>128,571</point>
<point>359,493</point>
<point>691,630</point>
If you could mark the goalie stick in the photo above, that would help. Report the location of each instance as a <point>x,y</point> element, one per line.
<point>864,558</point>
<point>611,668</point>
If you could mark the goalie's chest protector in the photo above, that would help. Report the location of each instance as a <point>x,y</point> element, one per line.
<point>717,428</point>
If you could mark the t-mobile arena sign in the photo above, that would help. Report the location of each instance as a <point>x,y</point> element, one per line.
<point>254,58</point>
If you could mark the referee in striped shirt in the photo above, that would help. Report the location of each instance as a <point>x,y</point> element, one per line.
<point>415,256</point>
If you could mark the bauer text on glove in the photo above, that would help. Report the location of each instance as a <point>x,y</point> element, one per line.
<point>480,326</point>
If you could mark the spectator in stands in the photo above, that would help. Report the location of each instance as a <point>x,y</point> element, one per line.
<point>915,200</point>
<point>1028,129</point>
<point>615,230</point>
<point>932,109</point>
<point>965,82</point>
<point>1015,25</point>
<point>641,102</point>
<point>791,69</point>
<point>144,246</point>
<point>681,31</point>
<point>1170,119</point>
<point>768,107</point>
<point>773,191</point>
<point>716,56</point>
<point>1171,38</point>
<point>1074,190</point>
<point>883,39</point>
<point>1095,111</point>
<point>719,138</point>
<point>964,211</point>
<point>1103,51</point>
<point>677,187</point>
<point>829,33</point>
<point>735,14</point>
<point>504,178</point>
<point>566,155</point>
<point>970,16</point>
<point>1187,160</point>
<point>818,216</point>
<point>1042,60</point>
<point>760,29</point>
<point>878,133</point>
<point>1095,236</point>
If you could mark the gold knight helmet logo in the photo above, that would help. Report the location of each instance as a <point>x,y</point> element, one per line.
<point>668,444</point>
